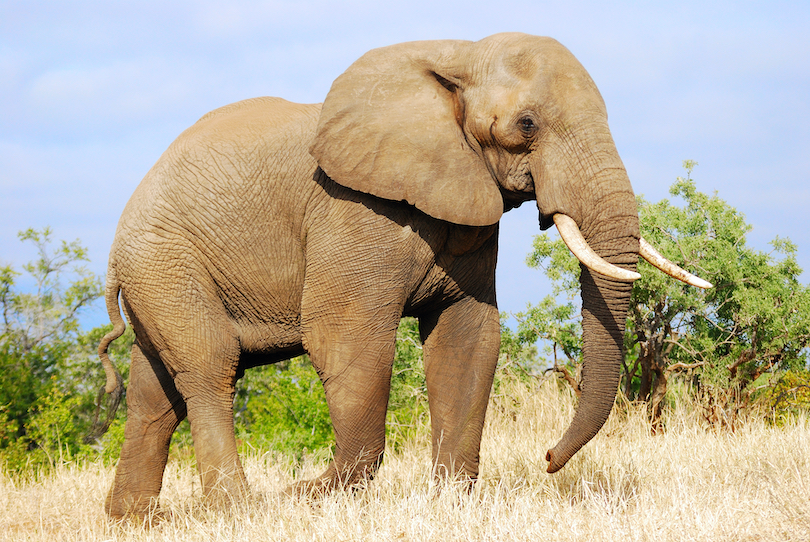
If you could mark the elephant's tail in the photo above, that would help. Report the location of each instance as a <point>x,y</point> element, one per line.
<point>114,381</point>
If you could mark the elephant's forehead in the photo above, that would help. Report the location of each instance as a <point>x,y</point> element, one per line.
<point>525,57</point>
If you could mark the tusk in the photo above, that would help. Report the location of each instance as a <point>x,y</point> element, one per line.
<point>576,243</point>
<point>649,253</point>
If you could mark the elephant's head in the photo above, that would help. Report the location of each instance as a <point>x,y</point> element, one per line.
<point>464,131</point>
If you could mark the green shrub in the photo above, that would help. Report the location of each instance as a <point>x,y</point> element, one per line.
<point>408,415</point>
<point>282,407</point>
<point>790,397</point>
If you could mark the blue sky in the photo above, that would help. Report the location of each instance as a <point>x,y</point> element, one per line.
<point>91,93</point>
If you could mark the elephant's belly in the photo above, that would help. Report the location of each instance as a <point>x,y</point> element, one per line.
<point>262,297</point>
<point>279,339</point>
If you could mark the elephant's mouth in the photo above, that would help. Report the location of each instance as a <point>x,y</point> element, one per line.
<point>518,185</point>
<point>546,221</point>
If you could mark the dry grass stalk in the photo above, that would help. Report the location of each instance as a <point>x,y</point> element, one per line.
<point>684,484</point>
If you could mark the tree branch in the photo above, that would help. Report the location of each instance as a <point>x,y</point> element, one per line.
<point>684,366</point>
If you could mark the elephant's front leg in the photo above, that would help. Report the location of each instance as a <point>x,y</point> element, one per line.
<point>355,368</point>
<point>461,346</point>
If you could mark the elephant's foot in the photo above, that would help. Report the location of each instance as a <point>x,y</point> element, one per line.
<point>460,483</point>
<point>353,477</point>
<point>225,496</point>
<point>309,489</point>
<point>450,472</point>
<point>133,508</point>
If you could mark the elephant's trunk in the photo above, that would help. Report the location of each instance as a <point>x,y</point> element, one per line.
<point>605,302</point>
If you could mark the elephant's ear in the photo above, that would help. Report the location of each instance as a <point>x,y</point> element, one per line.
<point>391,126</point>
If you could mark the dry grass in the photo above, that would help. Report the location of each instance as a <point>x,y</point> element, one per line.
<point>688,484</point>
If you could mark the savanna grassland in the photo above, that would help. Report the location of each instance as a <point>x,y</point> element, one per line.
<point>709,438</point>
<point>688,482</point>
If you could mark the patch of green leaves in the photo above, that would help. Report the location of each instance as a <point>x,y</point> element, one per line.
<point>755,321</point>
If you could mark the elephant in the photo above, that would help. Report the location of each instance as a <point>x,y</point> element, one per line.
<point>270,229</point>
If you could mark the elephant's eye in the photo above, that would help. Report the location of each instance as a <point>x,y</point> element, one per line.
<point>526,125</point>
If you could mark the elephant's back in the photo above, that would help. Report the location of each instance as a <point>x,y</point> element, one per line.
<point>252,140</point>
<point>268,109</point>
<point>229,196</point>
<point>233,159</point>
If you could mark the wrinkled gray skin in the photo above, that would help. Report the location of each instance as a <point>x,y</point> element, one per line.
<point>269,229</point>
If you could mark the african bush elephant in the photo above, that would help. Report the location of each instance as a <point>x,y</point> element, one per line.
<point>269,229</point>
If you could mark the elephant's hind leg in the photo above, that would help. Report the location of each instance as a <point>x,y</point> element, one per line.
<point>208,388</point>
<point>154,410</point>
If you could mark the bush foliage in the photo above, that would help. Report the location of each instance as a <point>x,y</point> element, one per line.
<point>732,342</point>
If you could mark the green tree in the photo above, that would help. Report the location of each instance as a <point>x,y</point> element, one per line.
<point>555,324</point>
<point>39,338</point>
<point>282,407</point>
<point>754,322</point>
